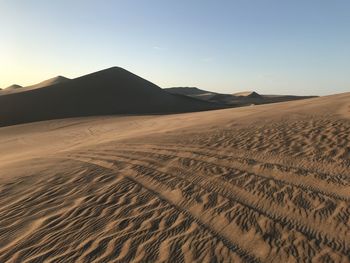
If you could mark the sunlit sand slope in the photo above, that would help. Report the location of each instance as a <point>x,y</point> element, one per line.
<point>256,184</point>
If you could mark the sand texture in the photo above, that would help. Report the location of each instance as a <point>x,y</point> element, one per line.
<point>268,183</point>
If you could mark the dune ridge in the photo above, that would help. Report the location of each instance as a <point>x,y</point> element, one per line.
<point>18,89</point>
<point>249,94</point>
<point>13,87</point>
<point>49,82</point>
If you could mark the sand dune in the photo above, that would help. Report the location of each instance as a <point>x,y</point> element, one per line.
<point>17,88</point>
<point>234,100</point>
<point>249,94</point>
<point>14,87</point>
<point>188,91</point>
<point>269,183</point>
<point>110,91</point>
<point>192,92</point>
<point>49,82</point>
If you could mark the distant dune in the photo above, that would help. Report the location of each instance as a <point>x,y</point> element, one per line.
<point>17,88</point>
<point>192,92</point>
<point>49,82</point>
<point>110,91</point>
<point>234,100</point>
<point>13,87</point>
<point>269,183</point>
<point>247,94</point>
<point>187,91</point>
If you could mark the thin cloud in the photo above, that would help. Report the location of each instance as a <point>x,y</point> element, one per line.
<point>159,48</point>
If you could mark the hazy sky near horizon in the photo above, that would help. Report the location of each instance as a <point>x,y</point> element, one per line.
<point>271,46</point>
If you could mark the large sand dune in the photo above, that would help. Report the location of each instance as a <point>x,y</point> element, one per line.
<point>110,91</point>
<point>268,183</point>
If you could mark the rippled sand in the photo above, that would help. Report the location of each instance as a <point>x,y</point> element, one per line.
<point>266,183</point>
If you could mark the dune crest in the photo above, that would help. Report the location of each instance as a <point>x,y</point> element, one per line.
<point>14,86</point>
<point>18,89</point>
<point>248,94</point>
<point>49,82</point>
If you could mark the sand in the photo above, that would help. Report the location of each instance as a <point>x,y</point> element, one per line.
<point>14,87</point>
<point>268,183</point>
<point>19,89</point>
<point>240,99</point>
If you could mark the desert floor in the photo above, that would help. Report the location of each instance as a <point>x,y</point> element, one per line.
<point>266,183</point>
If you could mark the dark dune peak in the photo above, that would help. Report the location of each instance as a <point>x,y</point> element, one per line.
<point>14,86</point>
<point>254,95</point>
<point>110,91</point>
<point>248,94</point>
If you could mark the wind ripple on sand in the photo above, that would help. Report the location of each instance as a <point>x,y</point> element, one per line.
<point>275,193</point>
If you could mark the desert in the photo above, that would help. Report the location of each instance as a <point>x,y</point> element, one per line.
<point>175,131</point>
<point>265,183</point>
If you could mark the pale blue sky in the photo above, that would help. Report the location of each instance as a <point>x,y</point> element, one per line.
<point>271,46</point>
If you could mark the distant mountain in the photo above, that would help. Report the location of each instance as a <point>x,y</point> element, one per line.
<point>111,91</point>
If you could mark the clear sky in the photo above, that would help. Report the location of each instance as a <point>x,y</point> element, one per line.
<point>271,46</point>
